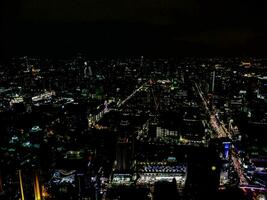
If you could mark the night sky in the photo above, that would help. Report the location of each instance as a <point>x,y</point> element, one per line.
<point>134,27</point>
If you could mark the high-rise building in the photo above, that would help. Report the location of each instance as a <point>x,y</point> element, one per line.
<point>124,152</point>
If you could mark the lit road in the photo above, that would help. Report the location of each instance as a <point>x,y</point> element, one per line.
<point>131,95</point>
<point>256,188</point>
<point>93,119</point>
<point>238,168</point>
<point>204,101</point>
<point>215,123</point>
<point>221,132</point>
<point>217,127</point>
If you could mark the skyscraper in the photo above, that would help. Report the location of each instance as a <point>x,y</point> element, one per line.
<point>124,154</point>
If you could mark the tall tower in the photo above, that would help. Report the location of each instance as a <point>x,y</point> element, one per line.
<point>213,81</point>
<point>87,71</point>
<point>141,61</point>
<point>85,74</point>
<point>27,64</point>
<point>141,65</point>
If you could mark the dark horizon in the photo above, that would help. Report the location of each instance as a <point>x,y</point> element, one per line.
<point>160,28</point>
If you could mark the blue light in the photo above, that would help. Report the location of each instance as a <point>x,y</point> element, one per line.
<point>227,146</point>
<point>226,149</point>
